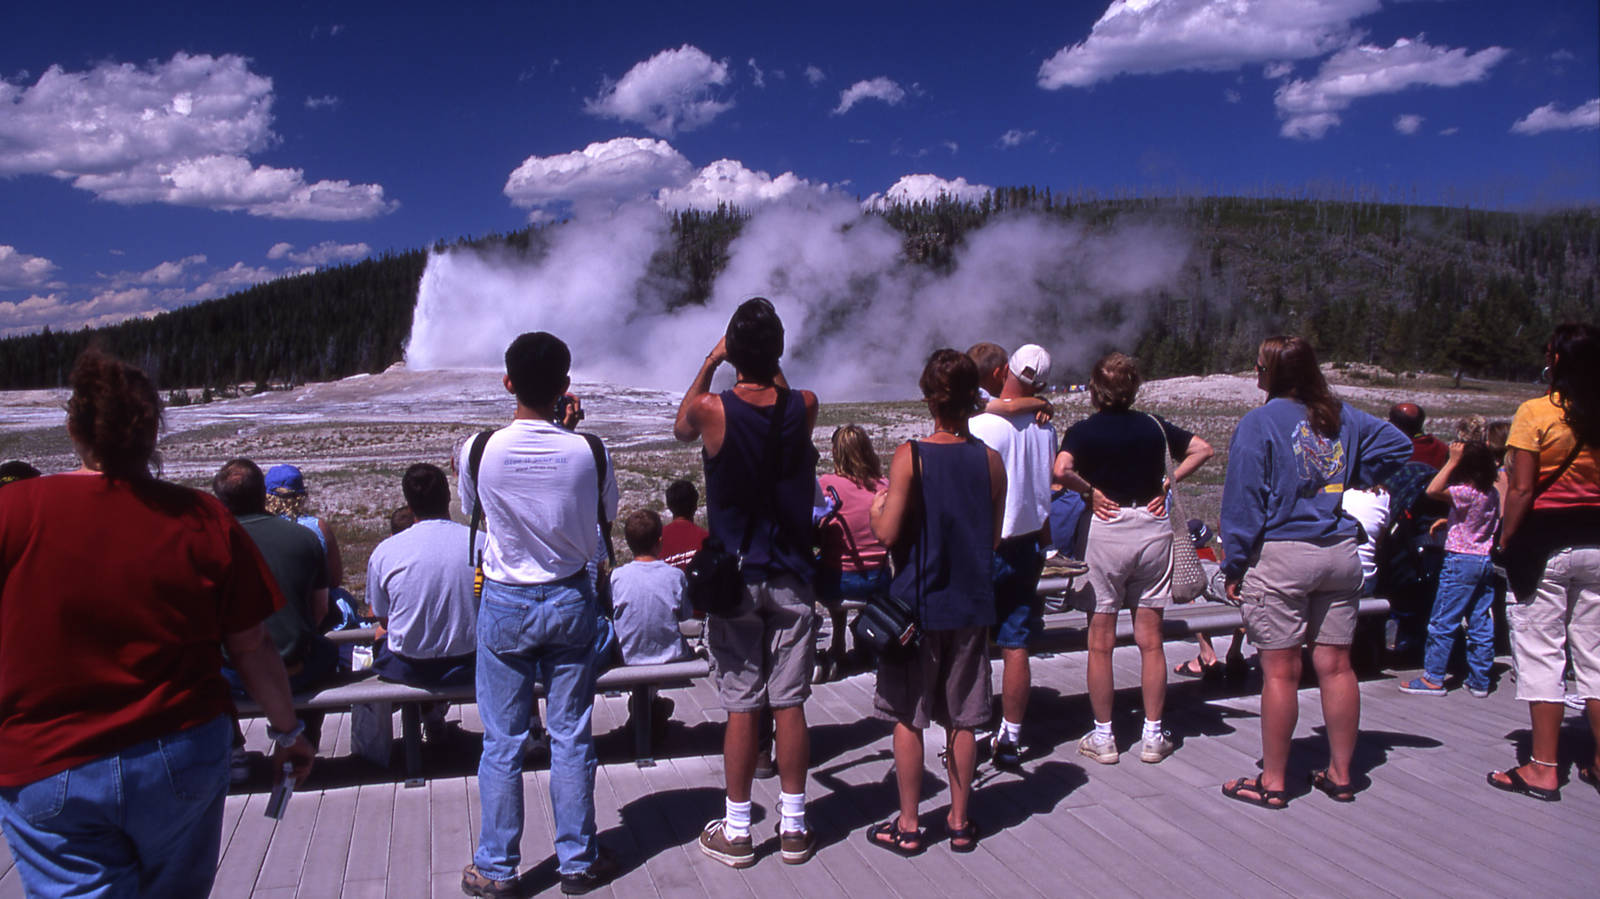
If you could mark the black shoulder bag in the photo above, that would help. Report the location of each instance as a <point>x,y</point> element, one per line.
<point>1530,548</point>
<point>886,625</point>
<point>715,578</point>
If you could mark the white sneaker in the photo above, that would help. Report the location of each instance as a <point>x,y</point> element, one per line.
<point>1154,749</point>
<point>1100,747</point>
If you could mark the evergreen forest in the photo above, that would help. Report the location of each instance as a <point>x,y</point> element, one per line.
<point>1454,290</point>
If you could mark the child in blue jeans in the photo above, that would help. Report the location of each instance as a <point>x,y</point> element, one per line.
<point>1466,584</point>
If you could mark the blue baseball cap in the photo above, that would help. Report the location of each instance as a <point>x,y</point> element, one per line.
<point>285,480</point>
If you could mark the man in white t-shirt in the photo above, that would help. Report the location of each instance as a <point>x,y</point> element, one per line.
<point>1028,450</point>
<point>1370,509</point>
<point>542,496</point>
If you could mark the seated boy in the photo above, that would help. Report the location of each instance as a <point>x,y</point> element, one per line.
<point>647,597</point>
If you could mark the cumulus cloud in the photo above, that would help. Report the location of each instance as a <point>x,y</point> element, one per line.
<point>1549,117</point>
<point>167,286</point>
<point>1272,71</point>
<point>169,272</point>
<point>601,174</point>
<point>176,132</point>
<point>1016,137</point>
<point>21,269</point>
<point>926,188</point>
<point>667,93</point>
<point>326,253</point>
<point>1310,107</point>
<point>1147,37</point>
<point>815,75</point>
<point>1407,123</point>
<point>326,101</point>
<point>879,88</point>
<point>728,181</point>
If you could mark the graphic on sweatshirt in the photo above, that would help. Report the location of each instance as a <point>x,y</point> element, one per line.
<point>1318,459</point>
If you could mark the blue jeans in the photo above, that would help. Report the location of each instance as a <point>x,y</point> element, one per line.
<point>145,821</point>
<point>1019,609</point>
<point>528,633</point>
<point>1466,590</point>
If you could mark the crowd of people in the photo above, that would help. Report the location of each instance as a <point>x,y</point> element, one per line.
<point>116,719</point>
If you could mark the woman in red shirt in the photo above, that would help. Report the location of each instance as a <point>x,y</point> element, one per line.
<point>118,592</point>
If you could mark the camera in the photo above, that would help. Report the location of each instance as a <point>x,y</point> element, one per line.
<point>564,407</point>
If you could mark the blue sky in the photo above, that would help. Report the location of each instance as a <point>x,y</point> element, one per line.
<point>151,156</point>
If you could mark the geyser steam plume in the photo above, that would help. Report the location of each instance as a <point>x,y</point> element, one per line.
<point>860,320</point>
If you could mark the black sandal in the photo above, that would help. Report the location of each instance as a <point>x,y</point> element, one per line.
<point>1338,792</point>
<point>962,839</point>
<point>1273,799</point>
<point>1514,783</point>
<point>904,843</point>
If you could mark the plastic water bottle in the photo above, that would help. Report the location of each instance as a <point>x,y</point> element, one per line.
<point>278,803</point>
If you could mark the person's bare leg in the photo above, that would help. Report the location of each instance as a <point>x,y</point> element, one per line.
<point>739,754</point>
<point>1102,639</point>
<point>1280,712</point>
<point>908,773</point>
<point>792,748</point>
<point>1546,718</point>
<point>1014,683</point>
<point>1152,661</point>
<point>1341,706</point>
<point>1592,709</point>
<point>963,762</point>
<point>836,649</point>
<point>1208,654</point>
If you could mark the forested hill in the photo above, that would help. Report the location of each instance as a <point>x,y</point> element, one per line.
<point>1406,287</point>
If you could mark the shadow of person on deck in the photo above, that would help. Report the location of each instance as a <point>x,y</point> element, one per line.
<point>1372,751</point>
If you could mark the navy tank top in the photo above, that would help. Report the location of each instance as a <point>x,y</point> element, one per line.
<point>740,489</point>
<point>945,557</point>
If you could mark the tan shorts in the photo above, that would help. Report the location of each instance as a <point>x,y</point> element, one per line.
<point>1297,593</point>
<point>763,654</point>
<point>1130,561</point>
<point>1563,616</point>
<point>945,682</point>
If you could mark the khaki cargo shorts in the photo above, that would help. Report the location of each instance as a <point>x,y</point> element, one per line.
<point>763,654</point>
<point>1297,593</point>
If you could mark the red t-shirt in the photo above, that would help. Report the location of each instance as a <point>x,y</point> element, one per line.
<point>680,540</point>
<point>113,605</point>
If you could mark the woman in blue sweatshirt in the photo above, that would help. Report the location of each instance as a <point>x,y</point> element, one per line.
<point>1291,553</point>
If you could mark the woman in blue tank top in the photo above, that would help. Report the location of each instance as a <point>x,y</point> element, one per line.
<point>940,516</point>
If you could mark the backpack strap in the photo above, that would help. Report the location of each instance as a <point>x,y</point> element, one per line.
<point>600,468</point>
<point>474,461</point>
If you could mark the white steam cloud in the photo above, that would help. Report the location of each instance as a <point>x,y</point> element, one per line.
<point>860,319</point>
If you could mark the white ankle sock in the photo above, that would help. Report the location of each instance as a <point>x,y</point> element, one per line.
<point>738,819</point>
<point>1152,728</point>
<point>1102,728</point>
<point>792,809</point>
<point>1010,732</point>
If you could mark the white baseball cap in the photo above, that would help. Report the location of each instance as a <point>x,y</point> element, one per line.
<point>1031,364</point>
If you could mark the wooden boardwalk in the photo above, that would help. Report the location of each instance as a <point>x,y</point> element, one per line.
<point>1427,825</point>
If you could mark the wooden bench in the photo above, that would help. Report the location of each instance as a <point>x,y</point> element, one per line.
<point>639,681</point>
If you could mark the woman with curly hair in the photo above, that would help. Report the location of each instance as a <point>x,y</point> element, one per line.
<point>118,593</point>
<point>1551,542</point>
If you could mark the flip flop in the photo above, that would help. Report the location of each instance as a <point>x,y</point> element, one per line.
<point>1514,783</point>
<point>1264,797</point>
<point>1590,777</point>
<point>1191,668</point>
<point>904,843</point>
<point>1338,792</point>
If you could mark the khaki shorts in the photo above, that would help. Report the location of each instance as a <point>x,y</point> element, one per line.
<point>1297,593</point>
<point>763,654</point>
<point>1564,615</point>
<point>1130,561</point>
<point>945,682</point>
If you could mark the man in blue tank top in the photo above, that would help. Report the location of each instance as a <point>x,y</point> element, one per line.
<point>759,492</point>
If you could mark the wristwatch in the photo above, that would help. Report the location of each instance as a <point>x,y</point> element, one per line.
<point>286,738</point>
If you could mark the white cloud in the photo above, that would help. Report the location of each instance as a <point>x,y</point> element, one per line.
<point>326,101</point>
<point>879,88</point>
<point>815,75</point>
<point>1016,137</point>
<point>606,173</point>
<point>168,272</point>
<point>728,181</point>
<point>175,132</point>
<point>756,75</point>
<point>1146,37</point>
<point>21,269</point>
<point>1310,107</point>
<point>667,93</point>
<point>1272,71</point>
<point>1449,131</point>
<point>1407,123</point>
<point>951,145</point>
<point>1550,118</point>
<point>325,253</point>
<point>1232,96</point>
<point>924,187</point>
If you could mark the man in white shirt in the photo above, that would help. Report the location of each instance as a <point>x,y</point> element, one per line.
<point>1028,449</point>
<point>1370,509</point>
<point>543,496</point>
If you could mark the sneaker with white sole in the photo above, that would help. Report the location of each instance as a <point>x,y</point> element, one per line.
<point>1004,754</point>
<point>796,847</point>
<point>1100,747</point>
<point>1154,749</point>
<point>735,852</point>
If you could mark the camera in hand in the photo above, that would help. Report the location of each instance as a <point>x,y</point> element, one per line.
<point>564,407</point>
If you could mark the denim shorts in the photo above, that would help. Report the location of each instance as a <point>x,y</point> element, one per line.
<point>1019,609</point>
<point>833,586</point>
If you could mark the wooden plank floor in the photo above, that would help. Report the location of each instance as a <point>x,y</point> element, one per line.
<point>1426,825</point>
